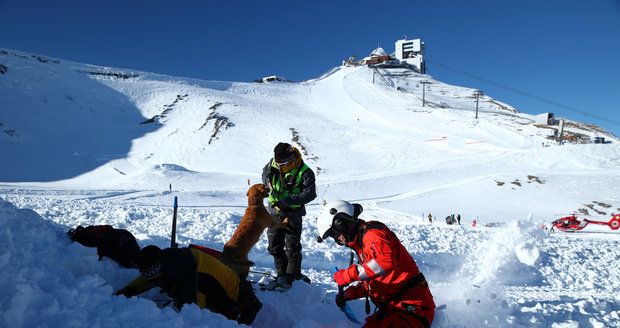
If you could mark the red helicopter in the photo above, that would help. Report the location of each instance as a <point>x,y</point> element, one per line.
<point>572,224</point>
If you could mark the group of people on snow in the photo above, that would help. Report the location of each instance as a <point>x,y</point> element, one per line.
<point>450,219</point>
<point>453,219</point>
<point>385,271</point>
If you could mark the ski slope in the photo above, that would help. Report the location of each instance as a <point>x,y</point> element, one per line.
<point>75,152</point>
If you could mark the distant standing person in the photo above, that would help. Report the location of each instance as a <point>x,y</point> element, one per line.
<point>458,218</point>
<point>170,187</point>
<point>430,218</point>
<point>292,185</point>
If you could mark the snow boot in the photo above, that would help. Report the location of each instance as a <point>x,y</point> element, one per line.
<point>303,278</point>
<point>281,283</point>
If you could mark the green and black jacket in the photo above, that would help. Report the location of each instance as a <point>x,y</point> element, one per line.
<point>297,187</point>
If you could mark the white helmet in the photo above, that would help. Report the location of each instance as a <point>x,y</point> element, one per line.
<point>335,216</point>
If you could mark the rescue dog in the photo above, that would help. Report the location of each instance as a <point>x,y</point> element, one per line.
<point>254,221</point>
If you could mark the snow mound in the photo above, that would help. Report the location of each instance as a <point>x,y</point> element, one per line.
<point>527,253</point>
<point>515,245</point>
<point>170,168</point>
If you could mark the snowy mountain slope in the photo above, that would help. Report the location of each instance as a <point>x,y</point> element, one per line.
<point>62,116</point>
<point>83,144</point>
<point>343,109</point>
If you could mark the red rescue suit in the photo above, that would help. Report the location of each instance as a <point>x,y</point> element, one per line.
<point>390,277</point>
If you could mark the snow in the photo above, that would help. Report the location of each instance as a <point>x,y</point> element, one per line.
<point>378,52</point>
<point>74,153</point>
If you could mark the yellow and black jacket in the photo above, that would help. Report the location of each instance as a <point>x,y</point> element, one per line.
<point>191,276</point>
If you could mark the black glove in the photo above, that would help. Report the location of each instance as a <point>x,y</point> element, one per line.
<point>341,301</point>
<point>246,313</point>
<point>282,204</point>
<point>71,233</point>
<point>127,292</point>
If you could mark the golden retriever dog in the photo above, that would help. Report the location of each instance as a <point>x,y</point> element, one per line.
<point>253,223</point>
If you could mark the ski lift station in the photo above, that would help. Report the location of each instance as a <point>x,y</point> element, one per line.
<point>408,53</point>
<point>411,52</point>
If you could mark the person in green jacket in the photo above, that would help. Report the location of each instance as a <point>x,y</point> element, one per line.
<point>292,185</point>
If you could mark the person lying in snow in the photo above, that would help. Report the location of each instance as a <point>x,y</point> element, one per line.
<point>387,272</point>
<point>188,275</point>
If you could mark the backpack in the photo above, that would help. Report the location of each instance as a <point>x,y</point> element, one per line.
<point>118,244</point>
<point>207,250</point>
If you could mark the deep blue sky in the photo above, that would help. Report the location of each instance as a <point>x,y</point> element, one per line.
<point>561,51</point>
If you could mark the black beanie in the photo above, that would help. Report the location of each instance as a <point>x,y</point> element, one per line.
<point>149,262</point>
<point>282,151</point>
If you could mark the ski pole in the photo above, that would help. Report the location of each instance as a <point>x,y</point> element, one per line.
<point>265,273</point>
<point>173,237</point>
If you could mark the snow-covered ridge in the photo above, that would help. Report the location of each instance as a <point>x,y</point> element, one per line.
<point>50,102</point>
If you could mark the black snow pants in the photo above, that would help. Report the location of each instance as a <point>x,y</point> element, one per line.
<point>285,245</point>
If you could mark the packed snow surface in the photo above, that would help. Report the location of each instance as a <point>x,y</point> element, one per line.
<point>85,145</point>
